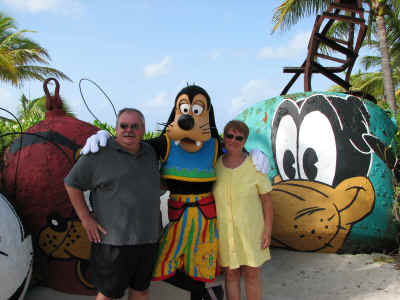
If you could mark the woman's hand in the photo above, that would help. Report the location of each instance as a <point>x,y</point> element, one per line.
<point>268,216</point>
<point>266,238</point>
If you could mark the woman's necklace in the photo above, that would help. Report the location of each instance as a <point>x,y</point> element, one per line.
<point>233,162</point>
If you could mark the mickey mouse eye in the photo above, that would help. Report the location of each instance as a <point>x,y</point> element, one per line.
<point>317,149</point>
<point>184,108</point>
<point>286,148</point>
<point>197,109</point>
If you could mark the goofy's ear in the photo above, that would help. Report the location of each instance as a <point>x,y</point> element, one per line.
<point>213,126</point>
<point>170,119</point>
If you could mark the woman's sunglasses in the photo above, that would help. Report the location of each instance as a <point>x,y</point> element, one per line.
<point>239,138</point>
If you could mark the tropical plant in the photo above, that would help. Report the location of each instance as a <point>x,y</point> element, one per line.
<point>10,129</point>
<point>29,113</point>
<point>104,126</point>
<point>291,11</point>
<point>20,56</point>
<point>29,108</point>
<point>373,82</point>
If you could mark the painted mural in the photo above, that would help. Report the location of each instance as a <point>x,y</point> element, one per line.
<point>16,253</point>
<point>34,169</point>
<point>331,171</point>
<point>66,239</point>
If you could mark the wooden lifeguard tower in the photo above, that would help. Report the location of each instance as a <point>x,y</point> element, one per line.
<point>345,48</point>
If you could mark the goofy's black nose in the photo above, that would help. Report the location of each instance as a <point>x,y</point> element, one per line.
<point>186,122</point>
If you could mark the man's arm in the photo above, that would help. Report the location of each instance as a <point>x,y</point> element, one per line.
<point>266,201</point>
<point>88,222</point>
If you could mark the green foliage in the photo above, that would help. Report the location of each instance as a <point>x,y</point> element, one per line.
<point>38,106</point>
<point>397,136</point>
<point>151,135</point>
<point>104,126</point>
<point>10,129</point>
<point>20,55</point>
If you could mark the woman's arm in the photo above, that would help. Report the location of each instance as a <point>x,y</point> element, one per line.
<point>266,201</point>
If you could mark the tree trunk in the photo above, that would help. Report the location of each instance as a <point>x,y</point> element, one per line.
<point>386,70</point>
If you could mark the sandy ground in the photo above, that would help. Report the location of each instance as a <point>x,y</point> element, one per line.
<point>296,275</point>
<point>293,275</point>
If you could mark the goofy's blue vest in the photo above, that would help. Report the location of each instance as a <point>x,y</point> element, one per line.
<point>197,166</point>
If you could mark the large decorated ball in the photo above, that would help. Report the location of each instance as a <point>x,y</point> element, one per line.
<point>35,167</point>
<point>16,254</point>
<point>331,170</point>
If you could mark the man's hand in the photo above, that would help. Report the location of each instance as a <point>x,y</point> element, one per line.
<point>260,160</point>
<point>93,142</point>
<point>92,229</point>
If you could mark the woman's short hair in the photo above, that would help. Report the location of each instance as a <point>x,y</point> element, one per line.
<point>239,126</point>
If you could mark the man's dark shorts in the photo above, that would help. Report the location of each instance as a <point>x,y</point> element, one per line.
<point>114,268</point>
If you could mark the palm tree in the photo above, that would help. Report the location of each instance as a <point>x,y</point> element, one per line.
<point>373,82</point>
<point>19,56</point>
<point>370,83</point>
<point>291,11</point>
<point>379,9</point>
<point>36,108</point>
<point>29,113</point>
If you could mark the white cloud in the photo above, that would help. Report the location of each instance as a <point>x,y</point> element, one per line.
<point>159,101</point>
<point>296,46</point>
<point>214,55</point>
<point>237,104</point>
<point>159,69</point>
<point>65,7</point>
<point>253,91</point>
<point>9,101</point>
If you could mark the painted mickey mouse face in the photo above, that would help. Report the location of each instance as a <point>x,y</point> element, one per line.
<point>323,161</point>
<point>312,142</point>
<point>15,254</point>
<point>308,151</point>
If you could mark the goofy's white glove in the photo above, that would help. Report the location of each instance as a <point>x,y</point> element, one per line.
<point>260,160</point>
<point>93,142</point>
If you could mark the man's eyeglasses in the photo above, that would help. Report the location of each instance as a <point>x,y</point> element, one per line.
<point>133,126</point>
<point>239,138</point>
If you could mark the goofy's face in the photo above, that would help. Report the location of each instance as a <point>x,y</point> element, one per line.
<point>190,127</point>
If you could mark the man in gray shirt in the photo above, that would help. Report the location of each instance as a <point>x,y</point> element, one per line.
<point>125,226</point>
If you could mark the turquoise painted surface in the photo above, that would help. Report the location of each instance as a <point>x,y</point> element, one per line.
<point>377,229</point>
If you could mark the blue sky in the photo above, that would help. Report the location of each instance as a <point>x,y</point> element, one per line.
<point>142,53</point>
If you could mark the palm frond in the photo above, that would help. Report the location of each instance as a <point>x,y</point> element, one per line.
<point>21,58</point>
<point>39,73</point>
<point>291,11</point>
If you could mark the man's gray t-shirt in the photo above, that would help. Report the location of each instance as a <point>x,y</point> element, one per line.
<point>125,192</point>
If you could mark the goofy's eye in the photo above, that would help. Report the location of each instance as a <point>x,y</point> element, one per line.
<point>185,108</point>
<point>197,109</point>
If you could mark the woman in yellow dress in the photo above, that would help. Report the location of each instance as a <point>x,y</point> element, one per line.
<point>244,209</point>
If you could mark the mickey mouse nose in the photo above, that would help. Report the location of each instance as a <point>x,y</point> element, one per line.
<point>186,122</point>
